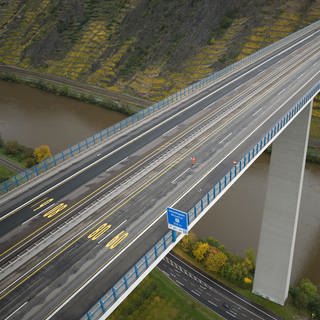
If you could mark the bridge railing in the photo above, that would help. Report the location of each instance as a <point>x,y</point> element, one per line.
<point>105,134</point>
<point>164,245</point>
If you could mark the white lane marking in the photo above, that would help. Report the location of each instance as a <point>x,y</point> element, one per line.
<point>165,133</point>
<point>195,292</point>
<point>46,209</point>
<point>156,126</point>
<point>226,290</point>
<point>231,314</point>
<point>180,175</point>
<point>180,283</point>
<point>225,138</point>
<point>172,205</point>
<point>51,254</point>
<point>16,310</point>
<point>257,112</point>
<point>300,76</point>
<point>39,213</point>
<point>166,273</point>
<point>109,234</point>
<point>280,93</point>
<point>214,304</point>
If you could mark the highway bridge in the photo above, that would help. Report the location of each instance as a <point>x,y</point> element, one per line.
<point>69,235</point>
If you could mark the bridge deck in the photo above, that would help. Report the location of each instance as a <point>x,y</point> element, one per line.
<point>106,210</point>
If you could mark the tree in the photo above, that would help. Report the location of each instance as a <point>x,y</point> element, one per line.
<point>42,152</point>
<point>200,250</point>
<point>11,147</point>
<point>215,260</point>
<point>304,294</point>
<point>249,260</point>
<point>188,242</point>
<point>314,307</point>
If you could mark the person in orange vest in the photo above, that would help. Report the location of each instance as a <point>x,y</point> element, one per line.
<point>193,160</point>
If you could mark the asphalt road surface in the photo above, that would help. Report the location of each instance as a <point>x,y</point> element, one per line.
<point>211,293</point>
<point>69,235</point>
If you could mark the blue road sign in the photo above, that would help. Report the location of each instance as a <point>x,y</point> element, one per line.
<point>177,220</point>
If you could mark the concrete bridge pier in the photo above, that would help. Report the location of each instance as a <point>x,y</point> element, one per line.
<point>281,210</point>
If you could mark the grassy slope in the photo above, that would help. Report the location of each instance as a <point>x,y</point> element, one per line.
<point>5,173</point>
<point>157,298</point>
<point>147,48</point>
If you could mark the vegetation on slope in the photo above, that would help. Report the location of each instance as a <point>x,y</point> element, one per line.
<point>236,272</point>
<point>146,48</point>
<point>157,298</point>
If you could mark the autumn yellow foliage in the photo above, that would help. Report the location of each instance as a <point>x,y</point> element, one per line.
<point>42,152</point>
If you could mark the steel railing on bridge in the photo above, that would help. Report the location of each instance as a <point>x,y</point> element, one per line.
<point>107,133</point>
<point>168,241</point>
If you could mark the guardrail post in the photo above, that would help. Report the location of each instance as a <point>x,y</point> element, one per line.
<point>102,306</point>
<point>164,242</point>
<point>5,185</point>
<point>136,271</point>
<point>125,282</point>
<point>114,293</point>
<point>155,251</point>
<point>201,205</point>
<point>174,236</point>
<point>195,211</point>
<point>146,261</point>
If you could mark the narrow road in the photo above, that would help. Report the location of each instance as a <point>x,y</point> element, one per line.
<point>10,164</point>
<point>211,293</point>
<point>78,86</point>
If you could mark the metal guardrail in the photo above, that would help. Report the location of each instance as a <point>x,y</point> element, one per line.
<point>107,300</point>
<point>105,134</point>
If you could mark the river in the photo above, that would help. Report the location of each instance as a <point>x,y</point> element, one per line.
<point>34,117</point>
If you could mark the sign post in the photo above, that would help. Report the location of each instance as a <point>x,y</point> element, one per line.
<point>177,220</point>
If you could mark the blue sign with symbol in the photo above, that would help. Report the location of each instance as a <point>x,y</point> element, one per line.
<point>177,220</point>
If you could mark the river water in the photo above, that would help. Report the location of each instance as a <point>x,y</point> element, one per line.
<point>34,117</point>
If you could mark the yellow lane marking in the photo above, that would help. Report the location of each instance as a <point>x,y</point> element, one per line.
<point>52,212</point>
<point>93,227</point>
<point>101,187</point>
<point>37,203</point>
<point>1,297</point>
<point>99,232</point>
<point>177,161</point>
<point>117,239</point>
<point>43,204</point>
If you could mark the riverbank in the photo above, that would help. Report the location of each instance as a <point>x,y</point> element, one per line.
<point>286,312</point>
<point>80,91</point>
<point>122,103</point>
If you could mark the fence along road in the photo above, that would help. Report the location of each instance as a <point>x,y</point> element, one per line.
<point>79,228</point>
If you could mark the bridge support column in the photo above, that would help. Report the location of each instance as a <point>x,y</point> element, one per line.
<point>281,210</point>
